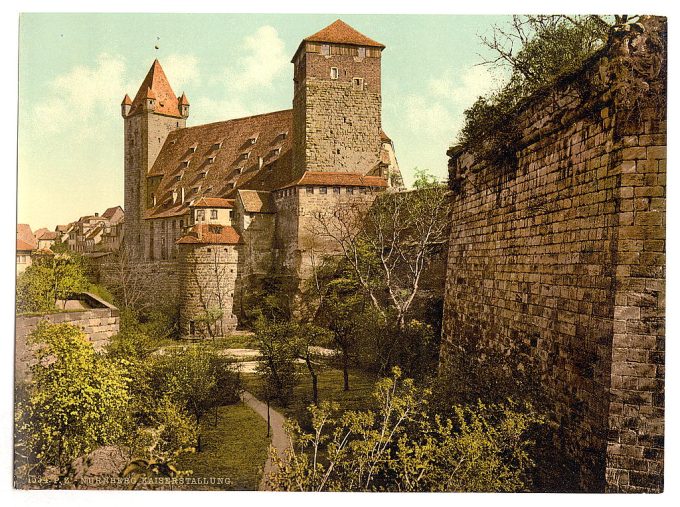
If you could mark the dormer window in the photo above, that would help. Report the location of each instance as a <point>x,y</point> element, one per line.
<point>276,152</point>
<point>283,135</point>
<point>178,178</point>
<point>239,170</point>
<point>211,160</point>
<point>245,155</point>
<point>196,189</point>
<point>217,146</point>
<point>185,163</point>
<point>231,185</point>
<point>203,174</point>
<point>192,149</point>
<point>252,140</point>
<point>334,73</point>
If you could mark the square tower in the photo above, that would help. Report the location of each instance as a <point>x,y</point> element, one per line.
<point>154,112</point>
<point>336,102</point>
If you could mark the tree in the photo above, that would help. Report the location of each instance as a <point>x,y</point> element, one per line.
<point>389,246</point>
<point>278,347</point>
<point>197,380</point>
<point>399,446</point>
<point>340,312</point>
<point>309,338</point>
<point>534,51</point>
<point>76,401</point>
<point>129,280</point>
<point>55,277</point>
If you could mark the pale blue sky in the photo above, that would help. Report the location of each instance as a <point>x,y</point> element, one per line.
<point>75,69</point>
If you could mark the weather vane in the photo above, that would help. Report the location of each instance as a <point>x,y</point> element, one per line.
<point>157,44</point>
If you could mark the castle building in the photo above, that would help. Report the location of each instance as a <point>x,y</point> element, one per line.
<point>216,207</point>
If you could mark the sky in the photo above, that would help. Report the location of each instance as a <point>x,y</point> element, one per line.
<point>74,70</point>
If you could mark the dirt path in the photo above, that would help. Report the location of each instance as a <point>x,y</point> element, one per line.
<point>279,439</point>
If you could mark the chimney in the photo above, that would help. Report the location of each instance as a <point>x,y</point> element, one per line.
<point>96,214</point>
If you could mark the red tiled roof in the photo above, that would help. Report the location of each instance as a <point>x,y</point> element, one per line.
<point>126,101</point>
<point>340,32</point>
<point>111,211</point>
<point>210,235</point>
<point>217,164</point>
<point>24,234</point>
<point>48,235</point>
<point>213,202</point>
<point>256,201</point>
<point>337,179</point>
<point>156,85</point>
<point>22,246</point>
<point>184,100</point>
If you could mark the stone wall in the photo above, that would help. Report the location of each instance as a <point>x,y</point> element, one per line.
<point>208,280</point>
<point>560,257</point>
<point>99,323</point>
<point>341,130</point>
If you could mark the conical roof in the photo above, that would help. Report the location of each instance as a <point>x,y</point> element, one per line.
<point>126,101</point>
<point>183,100</point>
<point>156,85</point>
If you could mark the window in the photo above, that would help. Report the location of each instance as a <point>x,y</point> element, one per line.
<point>336,190</point>
<point>185,163</point>
<point>334,73</point>
<point>325,49</point>
<point>358,83</point>
<point>310,190</point>
<point>361,52</point>
<point>213,214</point>
<point>200,214</point>
<point>350,190</point>
<point>323,190</point>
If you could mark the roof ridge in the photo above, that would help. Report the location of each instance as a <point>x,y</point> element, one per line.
<point>229,120</point>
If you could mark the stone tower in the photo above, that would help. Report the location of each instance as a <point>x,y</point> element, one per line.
<point>336,102</point>
<point>154,112</point>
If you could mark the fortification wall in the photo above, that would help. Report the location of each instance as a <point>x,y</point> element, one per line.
<point>98,323</point>
<point>208,276</point>
<point>560,257</point>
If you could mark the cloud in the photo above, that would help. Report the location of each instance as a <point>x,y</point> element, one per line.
<point>265,59</point>
<point>463,89</point>
<point>77,95</point>
<point>181,70</point>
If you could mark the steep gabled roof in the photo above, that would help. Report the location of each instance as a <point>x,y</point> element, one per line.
<point>22,246</point>
<point>213,202</point>
<point>156,85</point>
<point>47,236</point>
<point>210,235</point>
<point>256,201</point>
<point>216,159</point>
<point>25,234</point>
<point>110,212</point>
<point>340,32</point>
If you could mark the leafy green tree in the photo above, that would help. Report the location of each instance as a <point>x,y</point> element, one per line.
<point>399,446</point>
<point>278,347</point>
<point>309,338</point>
<point>77,400</point>
<point>197,380</point>
<point>55,277</point>
<point>35,290</point>
<point>533,51</point>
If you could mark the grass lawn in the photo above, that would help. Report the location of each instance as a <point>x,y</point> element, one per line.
<point>236,447</point>
<point>360,395</point>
